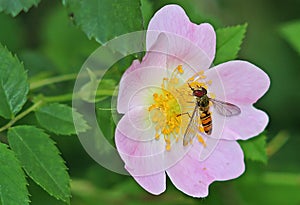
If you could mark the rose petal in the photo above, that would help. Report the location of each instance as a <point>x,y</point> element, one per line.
<point>155,184</point>
<point>249,123</point>
<point>137,87</point>
<point>156,56</point>
<point>194,177</point>
<point>184,52</point>
<point>173,19</point>
<point>138,148</point>
<point>137,125</point>
<point>141,158</point>
<point>242,82</point>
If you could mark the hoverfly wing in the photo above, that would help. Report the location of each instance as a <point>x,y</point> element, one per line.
<point>224,108</point>
<point>192,127</point>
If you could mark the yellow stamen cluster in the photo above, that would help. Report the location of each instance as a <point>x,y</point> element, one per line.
<point>170,102</point>
<point>166,108</point>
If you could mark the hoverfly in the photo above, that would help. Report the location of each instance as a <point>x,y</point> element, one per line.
<point>202,110</point>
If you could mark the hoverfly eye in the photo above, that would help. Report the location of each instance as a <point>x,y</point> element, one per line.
<point>199,93</point>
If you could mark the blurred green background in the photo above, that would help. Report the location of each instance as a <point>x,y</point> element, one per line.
<point>46,40</point>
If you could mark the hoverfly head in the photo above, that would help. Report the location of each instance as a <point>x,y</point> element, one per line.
<point>199,92</point>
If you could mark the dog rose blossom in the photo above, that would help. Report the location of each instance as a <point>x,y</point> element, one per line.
<point>156,99</point>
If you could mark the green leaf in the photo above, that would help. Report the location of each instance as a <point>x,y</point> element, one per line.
<point>291,32</point>
<point>13,84</point>
<point>41,160</point>
<point>229,41</point>
<point>13,189</point>
<point>58,118</point>
<point>255,148</point>
<point>16,6</point>
<point>106,19</point>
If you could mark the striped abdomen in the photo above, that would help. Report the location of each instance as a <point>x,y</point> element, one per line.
<point>206,121</point>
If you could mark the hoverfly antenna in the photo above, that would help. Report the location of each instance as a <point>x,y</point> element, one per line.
<point>191,87</point>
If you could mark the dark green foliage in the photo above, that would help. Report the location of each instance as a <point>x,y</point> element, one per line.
<point>41,160</point>
<point>13,189</point>
<point>106,19</point>
<point>58,118</point>
<point>15,7</point>
<point>229,42</point>
<point>13,84</point>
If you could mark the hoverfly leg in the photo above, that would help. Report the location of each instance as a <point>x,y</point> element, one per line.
<point>185,113</point>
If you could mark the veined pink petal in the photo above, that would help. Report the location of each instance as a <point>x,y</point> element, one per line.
<point>155,184</point>
<point>156,55</point>
<point>184,52</point>
<point>242,82</point>
<point>137,87</point>
<point>137,125</point>
<point>141,158</point>
<point>193,177</point>
<point>249,123</point>
<point>173,19</point>
<point>142,153</point>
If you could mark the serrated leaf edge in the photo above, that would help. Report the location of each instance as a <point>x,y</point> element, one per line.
<point>63,162</point>
<point>74,111</point>
<point>245,25</point>
<point>14,111</point>
<point>21,168</point>
<point>25,9</point>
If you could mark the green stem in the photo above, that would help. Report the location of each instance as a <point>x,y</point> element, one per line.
<point>70,96</point>
<point>58,79</point>
<point>48,81</point>
<point>277,143</point>
<point>282,178</point>
<point>21,115</point>
<point>58,98</point>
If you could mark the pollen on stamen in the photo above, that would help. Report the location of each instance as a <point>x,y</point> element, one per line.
<point>201,129</point>
<point>179,68</point>
<point>191,79</point>
<point>201,140</point>
<point>202,76</point>
<point>168,147</point>
<point>166,106</point>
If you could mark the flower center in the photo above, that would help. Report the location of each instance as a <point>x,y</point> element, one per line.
<point>170,103</point>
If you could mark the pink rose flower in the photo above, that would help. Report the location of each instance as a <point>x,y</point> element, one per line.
<point>154,96</point>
